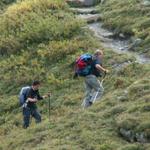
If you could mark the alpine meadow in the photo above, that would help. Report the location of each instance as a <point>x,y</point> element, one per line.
<point>41,40</point>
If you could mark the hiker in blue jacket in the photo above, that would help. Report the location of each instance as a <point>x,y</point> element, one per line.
<point>94,89</point>
<point>29,107</point>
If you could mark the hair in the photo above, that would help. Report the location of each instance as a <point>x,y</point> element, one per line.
<point>36,82</point>
<point>98,51</point>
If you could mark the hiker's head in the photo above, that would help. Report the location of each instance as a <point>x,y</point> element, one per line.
<point>98,53</point>
<point>36,85</point>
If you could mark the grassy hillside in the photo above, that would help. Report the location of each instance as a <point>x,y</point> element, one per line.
<point>5,3</point>
<point>131,18</point>
<point>43,40</point>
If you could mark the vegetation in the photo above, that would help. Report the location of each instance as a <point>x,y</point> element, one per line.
<point>45,49</point>
<point>4,3</point>
<point>129,17</point>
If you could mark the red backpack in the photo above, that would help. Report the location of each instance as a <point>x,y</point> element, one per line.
<point>83,65</point>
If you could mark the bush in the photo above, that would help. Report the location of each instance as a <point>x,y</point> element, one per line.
<point>58,50</point>
<point>49,22</point>
<point>4,3</point>
<point>9,45</point>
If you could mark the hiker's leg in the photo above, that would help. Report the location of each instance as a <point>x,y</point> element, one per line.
<point>36,115</point>
<point>98,89</point>
<point>88,96</point>
<point>26,117</point>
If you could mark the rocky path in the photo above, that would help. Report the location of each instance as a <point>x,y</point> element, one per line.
<point>108,39</point>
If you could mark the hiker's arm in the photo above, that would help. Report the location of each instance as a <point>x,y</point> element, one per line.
<point>43,97</point>
<point>39,97</point>
<point>31,99</point>
<point>100,68</point>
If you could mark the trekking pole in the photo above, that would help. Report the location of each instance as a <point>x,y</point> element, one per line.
<point>31,118</point>
<point>49,105</point>
<point>101,83</point>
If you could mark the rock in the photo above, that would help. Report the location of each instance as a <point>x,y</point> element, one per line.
<point>103,1</point>
<point>131,136</point>
<point>74,3</point>
<point>117,35</point>
<point>146,3</point>
<point>91,17</point>
<point>89,2</point>
<point>127,134</point>
<point>122,98</point>
<point>135,43</point>
<point>141,137</point>
<point>85,10</point>
<point>146,108</point>
<point>122,36</point>
<point>83,3</point>
<point>126,91</point>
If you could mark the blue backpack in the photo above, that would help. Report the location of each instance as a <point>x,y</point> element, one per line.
<point>83,65</point>
<point>23,95</point>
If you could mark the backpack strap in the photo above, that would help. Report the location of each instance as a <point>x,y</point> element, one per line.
<point>23,94</point>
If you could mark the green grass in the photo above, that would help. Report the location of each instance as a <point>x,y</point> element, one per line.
<point>51,61</point>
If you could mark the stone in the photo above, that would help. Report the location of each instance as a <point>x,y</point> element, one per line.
<point>83,3</point>
<point>127,134</point>
<point>91,17</point>
<point>135,43</point>
<point>141,137</point>
<point>131,136</point>
<point>103,1</point>
<point>85,10</point>
<point>146,108</point>
<point>122,36</point>
<point>122,98</point>
<point>146,3</point>
<point>88,2</point>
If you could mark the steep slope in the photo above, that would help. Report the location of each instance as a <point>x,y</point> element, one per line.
<point>49,38</point>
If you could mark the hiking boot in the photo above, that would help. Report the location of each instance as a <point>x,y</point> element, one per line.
<point>90,103</point>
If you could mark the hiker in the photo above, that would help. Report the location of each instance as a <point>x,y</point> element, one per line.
<point>29,107</point>
<point>94,89</point>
